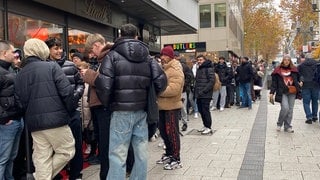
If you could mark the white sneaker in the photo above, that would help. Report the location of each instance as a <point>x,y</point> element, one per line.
<point>221,109</point>
<point>196,115</point>
<point>213,108</point>
<point>88,149</point>
<point>206,131</point>
<point>278,128</point>
<point>202,129</point>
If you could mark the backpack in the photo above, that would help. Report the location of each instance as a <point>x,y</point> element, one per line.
<point>217,83</point>
<point>316,75</point>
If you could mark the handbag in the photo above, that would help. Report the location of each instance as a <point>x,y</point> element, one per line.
<point>152,105</point>
<point>292,90</point>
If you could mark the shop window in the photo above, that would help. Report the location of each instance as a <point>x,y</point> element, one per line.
<point>77,39</point>
<point>22,28</point>
<point>205,16</point>
<point>220,15</point>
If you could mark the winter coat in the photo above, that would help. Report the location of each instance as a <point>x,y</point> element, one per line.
<point>125,75</point>
<point>306,73</point>
<point>188,77</point>
<point>224,72</point>
<point>45,94</point>
<point>278,87</point>
<point>8,106</point>
<point>244,73</point>
<point>204,80</point>
<point>170,99</point>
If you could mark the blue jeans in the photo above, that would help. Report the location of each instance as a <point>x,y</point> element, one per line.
<point>286,111</point>
<point>310,95</point>
<point>246,92</point>
<point>126,127</point>
<point>9,145</point>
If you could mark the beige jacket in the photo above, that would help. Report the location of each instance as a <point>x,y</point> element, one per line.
<point>170,99</point>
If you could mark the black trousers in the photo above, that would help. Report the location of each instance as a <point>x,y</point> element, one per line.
<point>204,110</point>
<point>169,131</point>
<point>102,115</point>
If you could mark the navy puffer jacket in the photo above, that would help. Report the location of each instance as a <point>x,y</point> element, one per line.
<point>45,94</point>
<point>125,75</point>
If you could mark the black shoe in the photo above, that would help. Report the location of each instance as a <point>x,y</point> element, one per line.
<point>184,127</point>
<point>314,119</point>
<point>309,121</point>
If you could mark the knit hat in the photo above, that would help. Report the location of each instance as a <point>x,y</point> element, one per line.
<point>168,51</point>
<point>36,47</point>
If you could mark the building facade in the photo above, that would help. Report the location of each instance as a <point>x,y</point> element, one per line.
<point>220,31</point>
<point>73,20</point>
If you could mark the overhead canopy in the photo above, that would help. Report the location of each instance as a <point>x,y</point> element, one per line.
<point>152,13</point>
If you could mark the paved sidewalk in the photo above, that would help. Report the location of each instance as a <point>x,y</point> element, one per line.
<point>245,145</point>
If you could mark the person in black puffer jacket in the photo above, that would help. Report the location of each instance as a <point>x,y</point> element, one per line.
<point>123,81</point>
<point>11,124</point>
<point>73,75</point>
<point>203,91</point>
<point>46,97</point>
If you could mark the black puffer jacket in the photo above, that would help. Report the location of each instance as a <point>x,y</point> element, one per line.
<point>204,80</point>
<point>125,75</point>
<point>8,106</point>
<point>224,72</point>
<point>73,75</point>
<point>245,72</point>
<point>45,94</point>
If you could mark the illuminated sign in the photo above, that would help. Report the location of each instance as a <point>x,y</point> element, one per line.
<point>189,47</point>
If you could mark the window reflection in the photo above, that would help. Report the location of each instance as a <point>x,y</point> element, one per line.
<point>22,28</point>
<point>77,39</point>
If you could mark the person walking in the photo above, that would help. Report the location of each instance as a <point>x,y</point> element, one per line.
<point>284,89</point>
<point>73,75</point>
<point>170,105</point>
<point>11,125</point>
<point>124,78</point>
<point>46,97</point>
<point>310,89</point>
<point>204,91</point>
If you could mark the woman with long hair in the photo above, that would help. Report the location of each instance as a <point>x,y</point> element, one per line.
<point>285,89</point>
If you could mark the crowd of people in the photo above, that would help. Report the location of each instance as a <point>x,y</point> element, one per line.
<point>52,106</point>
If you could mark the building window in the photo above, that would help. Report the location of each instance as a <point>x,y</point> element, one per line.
<point>205,16</point>
<point>220,15</point>
<point>22,28</point>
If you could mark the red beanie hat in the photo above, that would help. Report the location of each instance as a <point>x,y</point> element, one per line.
<point>168,51</point>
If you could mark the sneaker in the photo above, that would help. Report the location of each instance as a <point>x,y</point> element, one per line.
<point>213,108</point>
<point>202,129</point>
<point>309,121</point>
<point>196,116</point>
<point>184,127</point>
<point>88,149</point>
<point>221,109</point>
<point>172,164</point>
<point>289,130</point>
<point>164,159</point>
<point>278,128</point>
<point>206,131</point>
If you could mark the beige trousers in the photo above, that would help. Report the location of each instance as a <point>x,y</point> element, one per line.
<point>52,149</point>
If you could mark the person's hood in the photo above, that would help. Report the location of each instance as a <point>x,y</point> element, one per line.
<point>132,49</point>
<point>310,62</point>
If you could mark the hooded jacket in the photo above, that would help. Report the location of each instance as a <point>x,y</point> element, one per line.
<point>204,80</point>
<point>306,71</point>
<point>125,75</point>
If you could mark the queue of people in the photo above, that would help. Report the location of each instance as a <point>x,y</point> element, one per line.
<point>105,91</point>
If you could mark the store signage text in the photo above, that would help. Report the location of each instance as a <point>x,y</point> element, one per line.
<point>97,12</point>
<point>184,46</point>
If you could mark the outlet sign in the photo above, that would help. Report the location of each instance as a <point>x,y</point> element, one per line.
<point>189,47</point>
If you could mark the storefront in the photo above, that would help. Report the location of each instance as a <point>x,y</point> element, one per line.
<point>70,20</point>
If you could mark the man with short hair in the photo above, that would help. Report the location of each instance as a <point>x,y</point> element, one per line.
<point>124,78</point>
<point>11,124</point>
<point>73,75</point>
